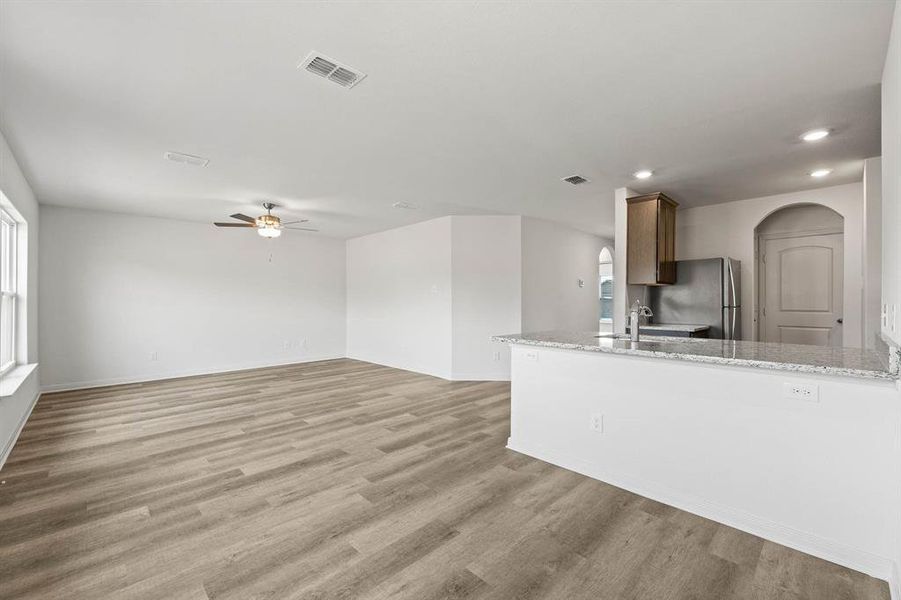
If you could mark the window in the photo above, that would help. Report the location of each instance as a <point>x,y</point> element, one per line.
<point>606,293</point>
<point>605,286</point>
<point>8,294</point>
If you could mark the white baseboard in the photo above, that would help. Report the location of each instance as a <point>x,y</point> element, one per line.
<point>12,442</point>
<point>82,385</point>
<point>894,583</point>
<point>827,549</point>
<point>452,376</point>
<point>481,376</point>
<point>404,367</point>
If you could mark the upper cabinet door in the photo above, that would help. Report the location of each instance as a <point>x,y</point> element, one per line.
<point>651,240</point>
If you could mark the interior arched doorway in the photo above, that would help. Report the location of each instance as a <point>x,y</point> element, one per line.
<point>605,290</point>
<point>800,275</point>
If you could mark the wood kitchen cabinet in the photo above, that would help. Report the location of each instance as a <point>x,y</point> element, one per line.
<point>651,240</point>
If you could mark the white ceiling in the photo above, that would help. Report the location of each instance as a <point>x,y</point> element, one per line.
<point>467,107</point>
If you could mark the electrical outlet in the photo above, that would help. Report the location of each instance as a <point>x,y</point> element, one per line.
<point>531,355</point>
<point>809,392</point>
<point>496,355</point>
<point>597,422</point>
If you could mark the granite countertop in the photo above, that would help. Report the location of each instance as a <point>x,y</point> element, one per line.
<point>674,327</point>
<point>848,362</point>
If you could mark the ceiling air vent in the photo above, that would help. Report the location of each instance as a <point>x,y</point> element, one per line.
<point>575,179</point>
<point>189,159</point>
<point>331,69</point>
<point>404,205</point>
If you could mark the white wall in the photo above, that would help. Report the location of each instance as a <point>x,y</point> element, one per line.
<point>117,289</point>
<point>801,218</point>
<point>554,258</point>
<point>19,193</point>
<point>722,442</point>
<point>891,182</point>
<point>623,294</point>
<point>428,296</point>
<point>16,406</point>
<point>486,294</point>
<point>399,298</point>
<point>872,249</point>
<point>728,230</point>
<point>891,216</point>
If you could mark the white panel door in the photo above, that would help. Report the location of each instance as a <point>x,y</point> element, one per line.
<point>803,290</point>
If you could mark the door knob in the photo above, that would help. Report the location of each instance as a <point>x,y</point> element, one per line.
<point>839,320</point>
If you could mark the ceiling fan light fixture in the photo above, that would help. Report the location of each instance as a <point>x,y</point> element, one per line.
<point>269,232</point>
<point>269,226</point>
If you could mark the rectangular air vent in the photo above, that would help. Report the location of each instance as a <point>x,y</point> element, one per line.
<point>404,205</point>
<point>575,179</point>
<point>189,159</point>
<point>331,69</point>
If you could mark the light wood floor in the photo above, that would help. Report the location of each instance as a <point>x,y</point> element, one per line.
<point>342,479</point>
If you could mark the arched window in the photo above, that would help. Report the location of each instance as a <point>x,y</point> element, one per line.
<point>605,286</point>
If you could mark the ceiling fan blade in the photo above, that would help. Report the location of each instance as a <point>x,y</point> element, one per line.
<point>300,228</point>
<point>233,225</point>
<point>241,217</point>
<point>293,222</point>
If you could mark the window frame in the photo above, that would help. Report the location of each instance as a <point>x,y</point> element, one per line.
<point>11,291</point>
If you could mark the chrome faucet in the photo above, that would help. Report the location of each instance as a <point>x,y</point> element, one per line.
<point>638,310</point>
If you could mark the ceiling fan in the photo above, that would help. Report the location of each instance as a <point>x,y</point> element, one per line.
<point>268,225</point>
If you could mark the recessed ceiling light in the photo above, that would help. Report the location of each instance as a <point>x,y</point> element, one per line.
<point>820,172</point>
<point>815,135</point>
<point>643,174</point>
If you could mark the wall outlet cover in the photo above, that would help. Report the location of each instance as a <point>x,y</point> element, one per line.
<point>597,422</point>
<point>809,392</point>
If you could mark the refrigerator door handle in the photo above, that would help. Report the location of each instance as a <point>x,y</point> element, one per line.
<point>734,314</point>
<point>735,300</point>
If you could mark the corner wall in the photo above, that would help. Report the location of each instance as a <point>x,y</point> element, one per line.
<point>486,277</point>
<point>427,297</point>
<point>554,259</point>
<point>623,293</point>
<point>872,250</point>
<point>891,183</point>
<point>399,298</point>
<point>891,220</point>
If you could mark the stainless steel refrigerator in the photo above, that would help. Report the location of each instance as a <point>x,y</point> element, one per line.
<point>706,292</point>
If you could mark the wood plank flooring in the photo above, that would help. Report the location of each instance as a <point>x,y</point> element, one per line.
<point>339,480</point>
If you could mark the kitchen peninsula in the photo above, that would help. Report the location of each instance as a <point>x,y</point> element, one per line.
<point>797,444</point>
